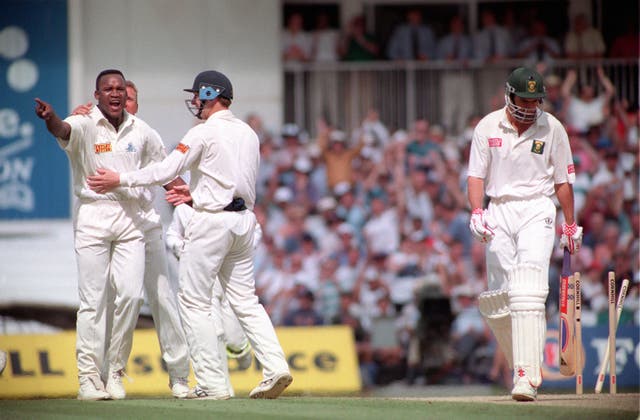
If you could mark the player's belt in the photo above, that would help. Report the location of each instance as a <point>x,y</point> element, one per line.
<point>236,205</point>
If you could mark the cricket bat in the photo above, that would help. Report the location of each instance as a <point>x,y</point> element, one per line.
<point>567,308</point>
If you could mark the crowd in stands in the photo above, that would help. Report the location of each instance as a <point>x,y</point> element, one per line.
<point>498,37</point>
<point>370,229</point>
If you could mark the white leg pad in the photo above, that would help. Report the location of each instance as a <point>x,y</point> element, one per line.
<point>528,290</point>
<point>494,307</point>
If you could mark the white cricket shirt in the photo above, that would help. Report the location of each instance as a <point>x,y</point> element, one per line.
<point>523,166</point>
<point>223,155</point>
<point>94,143</point>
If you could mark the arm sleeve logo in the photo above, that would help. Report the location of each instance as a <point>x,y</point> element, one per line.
<point>182,148</point>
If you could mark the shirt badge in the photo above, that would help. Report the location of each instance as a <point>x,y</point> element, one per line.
<point>131,148</point>
<point>571,169</point>
<point>495,142</point>
<point>102,148</point>
<point>182,148</point>
<point>537,147</point>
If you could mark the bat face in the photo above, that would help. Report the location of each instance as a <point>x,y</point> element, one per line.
<point>567,311</point>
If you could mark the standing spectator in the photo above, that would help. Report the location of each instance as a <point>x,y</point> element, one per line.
<point>296,42</point>
<point>538,47</point>
<point>357,44</point>
<point>412,40</point>
<point>338,156</point>
<point>491,44</point>
<point>518,225</point>
<point>586,109</point>
<point>223,190</point>
<point>456,87</point>
<point>325,42</point>
<point>108,230</point>
<point>583,41</point>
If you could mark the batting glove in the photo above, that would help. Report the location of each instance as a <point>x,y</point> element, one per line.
<point>571,237</point>
<point>482,226</point>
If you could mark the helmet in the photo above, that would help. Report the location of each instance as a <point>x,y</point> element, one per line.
<point>527,84</point>
<point>209,85</point>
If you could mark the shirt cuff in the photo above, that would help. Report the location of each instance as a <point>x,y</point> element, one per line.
<point>125,180</point>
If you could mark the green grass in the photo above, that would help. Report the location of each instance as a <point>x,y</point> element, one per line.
<point>294,408</point>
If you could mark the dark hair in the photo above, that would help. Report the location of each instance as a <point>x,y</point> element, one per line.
<point>105,72</point>
<point>226,102</point>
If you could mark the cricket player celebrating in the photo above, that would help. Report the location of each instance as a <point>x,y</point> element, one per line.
<point>520,156</point>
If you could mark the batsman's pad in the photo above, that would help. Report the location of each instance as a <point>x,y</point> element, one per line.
<point>494,307</point>
<point>528,290</point>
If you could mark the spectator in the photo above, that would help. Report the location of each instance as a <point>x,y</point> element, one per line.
<point>296,43</point>
<point>627,44</point>
<point>492,41</point>
<point>304,315</point>
<point>538,46</point>
<point>456,87</point>
<point>324,40</point>
<point>338,156</point>
<point>357,44</point>
<point>554,102</point>
<point>583,41</point>
<point>412,40</point>
<point>586,109</point>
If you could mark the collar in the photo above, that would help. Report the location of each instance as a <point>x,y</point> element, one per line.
<point>98,117</point>
<point>542,121</point>
<point>224,114</point>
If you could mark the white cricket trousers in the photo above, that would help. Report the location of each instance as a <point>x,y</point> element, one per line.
<point>220,244</point>
<point>525,234</point>
<point>163,301</point>
<point>109,248</point>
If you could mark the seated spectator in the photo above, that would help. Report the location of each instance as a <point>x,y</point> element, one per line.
<point>554,102</point>
<point>296,43</point>
<point>357,44</point>
<point>586,109</point>
<point>583,41</point>
<point>412,40</point>
<point>304,315</point>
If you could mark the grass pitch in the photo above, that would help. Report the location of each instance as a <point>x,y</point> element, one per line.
<point>604,406</point>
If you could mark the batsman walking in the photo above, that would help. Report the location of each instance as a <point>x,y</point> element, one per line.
<point>520,156</point>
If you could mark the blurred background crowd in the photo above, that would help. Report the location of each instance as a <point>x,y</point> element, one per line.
<point>369,227</point>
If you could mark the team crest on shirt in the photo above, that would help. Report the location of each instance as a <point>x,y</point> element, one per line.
<point>102,148</point>
<point>548,222</point>
<point>537,147</point>
<point>131,148</point>
<point>182,148</point>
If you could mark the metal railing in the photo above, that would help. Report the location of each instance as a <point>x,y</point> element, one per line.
<point>343,92</point>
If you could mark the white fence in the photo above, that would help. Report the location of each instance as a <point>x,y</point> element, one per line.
<point>343,92</point>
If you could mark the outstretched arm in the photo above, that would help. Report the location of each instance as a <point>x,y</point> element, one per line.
<point>55,125</point>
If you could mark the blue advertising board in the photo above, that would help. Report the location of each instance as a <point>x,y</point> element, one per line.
<point>595,344</point>
<point>34,171</point>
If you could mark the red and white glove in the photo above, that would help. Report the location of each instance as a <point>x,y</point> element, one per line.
<point>571,237</point>
<point>482,225</point>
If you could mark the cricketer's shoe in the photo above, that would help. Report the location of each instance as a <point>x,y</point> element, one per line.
<point>198,393</point>
<point>114,385</point>
<point>92,389</point>
<point>179,387</point>
<point>271,388</point>
<point>524,391</point>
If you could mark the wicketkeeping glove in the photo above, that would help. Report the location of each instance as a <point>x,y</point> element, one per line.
<point>482,225</point>
<point>571,237</point>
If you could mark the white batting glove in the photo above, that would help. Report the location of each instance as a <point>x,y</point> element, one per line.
<point>482,225</point>
<point>571,237</point>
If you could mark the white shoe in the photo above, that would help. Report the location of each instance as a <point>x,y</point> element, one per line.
<point>179,387</point>
<point>271,388</point>
<point>3,360</point>
<point>524,391</point>
<point>114,385</point>
<point>92,389</point>
<point>198,393</point>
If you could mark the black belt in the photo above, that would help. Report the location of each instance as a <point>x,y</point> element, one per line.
<point>236,205</point>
